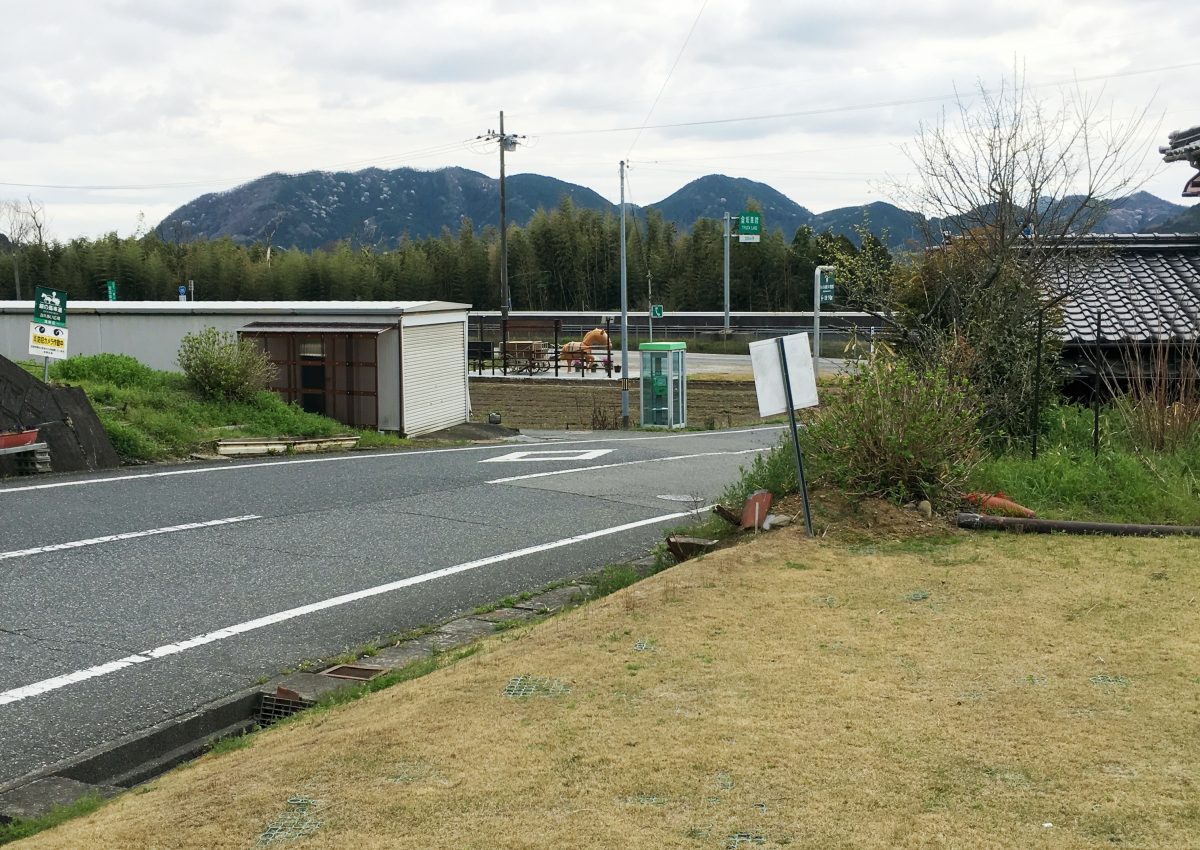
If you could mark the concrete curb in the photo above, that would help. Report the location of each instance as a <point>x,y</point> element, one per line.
<point>114,767</point>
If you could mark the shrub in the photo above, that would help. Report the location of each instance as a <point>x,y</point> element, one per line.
<point>220,366</point>
<point>118,369</point>
<point>895,432</point>
<point>1160,408</point>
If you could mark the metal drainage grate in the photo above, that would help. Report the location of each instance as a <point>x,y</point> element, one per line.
<point>535,686</point>
<point>353,672</point>
<point>299,820</point>
<point>645,646</point>
<point>272,708</point>
<point>724,781</point>
<point>744,839</point>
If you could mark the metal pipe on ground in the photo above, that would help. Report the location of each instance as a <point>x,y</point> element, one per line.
<point>981,522</point>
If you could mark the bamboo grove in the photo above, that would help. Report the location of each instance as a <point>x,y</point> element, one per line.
<point>564,259</point>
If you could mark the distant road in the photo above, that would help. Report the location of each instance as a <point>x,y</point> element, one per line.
<point>697,364</point>
<point>131,597</point>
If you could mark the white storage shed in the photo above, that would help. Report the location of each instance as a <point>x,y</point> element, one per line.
<point>393,366</point>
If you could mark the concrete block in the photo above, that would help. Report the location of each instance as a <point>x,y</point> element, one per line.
<point>39,797</point>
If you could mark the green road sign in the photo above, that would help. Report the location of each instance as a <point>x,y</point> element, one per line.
<point>826,287</point>
<point>50,307</point>
<point>110,287</point>
<point>749,226</point>
<point>656,311</point>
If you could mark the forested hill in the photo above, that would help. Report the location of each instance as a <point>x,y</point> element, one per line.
<point>378,209</point>
<point>370,207</point>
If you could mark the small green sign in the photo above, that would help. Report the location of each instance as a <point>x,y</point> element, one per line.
<point>656,311</point>
<point>749,226</point>
<point>110,287</point>
<point>50,307</point>
<point>826,287</point>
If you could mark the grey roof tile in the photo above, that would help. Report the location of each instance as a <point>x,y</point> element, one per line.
<point>1144,286</point>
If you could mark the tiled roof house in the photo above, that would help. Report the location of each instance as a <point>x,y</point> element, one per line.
<point>1184,146</point>
<point>1143,288</point>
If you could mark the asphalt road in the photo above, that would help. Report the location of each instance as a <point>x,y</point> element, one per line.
<point>131,597</point>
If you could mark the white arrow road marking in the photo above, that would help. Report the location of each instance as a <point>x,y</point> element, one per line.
<point>622,463</point>
<point>547,454</point>
<point>47,685</point>
<point>373,457</point>
<point>128,535</point>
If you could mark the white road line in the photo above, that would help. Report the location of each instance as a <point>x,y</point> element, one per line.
<point>623,463</point>
<point>109,479</point>
<point>128,535</point>
<point>536,455</point>
<point>47,685</point>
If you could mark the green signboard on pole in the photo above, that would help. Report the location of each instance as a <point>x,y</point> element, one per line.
<point>749,226</point>
<point>656,311</point>
<point>110,287</point>
<point>826,287</point>
<point>50,307</point>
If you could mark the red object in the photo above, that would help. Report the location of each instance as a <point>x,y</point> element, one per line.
<point>755,511</point>
<point>14,439</point>
<point>998,505</point>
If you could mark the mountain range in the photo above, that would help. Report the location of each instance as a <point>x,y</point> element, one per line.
<point>379,207</point>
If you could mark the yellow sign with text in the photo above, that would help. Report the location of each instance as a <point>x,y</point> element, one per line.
<point>47,341</point>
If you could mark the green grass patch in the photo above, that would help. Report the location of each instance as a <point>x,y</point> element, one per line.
<point>612,578</point>
<point>25,827</point>
<point>152,416</point>
<point>1119,483</point>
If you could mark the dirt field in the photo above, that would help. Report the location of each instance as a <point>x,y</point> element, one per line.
<point>947,691</point>
<point>595,404</point>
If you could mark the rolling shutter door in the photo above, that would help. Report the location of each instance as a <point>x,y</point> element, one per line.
<point>435,377</point>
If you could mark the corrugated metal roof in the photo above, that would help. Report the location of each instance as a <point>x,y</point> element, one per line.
<point>1146,287</point>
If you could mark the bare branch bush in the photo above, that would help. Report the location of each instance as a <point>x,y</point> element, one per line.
<point>1006,182</point>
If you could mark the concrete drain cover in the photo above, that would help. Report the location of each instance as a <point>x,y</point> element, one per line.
<point>298,821</point>
<point>644,646</point>
<point>535,686</point>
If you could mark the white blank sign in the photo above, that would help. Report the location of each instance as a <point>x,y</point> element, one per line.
<point>768,374</point>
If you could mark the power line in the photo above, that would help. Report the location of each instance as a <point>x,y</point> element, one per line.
<point>884,104</point>
<point>663,87</point>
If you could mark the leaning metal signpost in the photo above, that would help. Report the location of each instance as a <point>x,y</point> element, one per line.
<point>784,380</point>
<point>48,330</point>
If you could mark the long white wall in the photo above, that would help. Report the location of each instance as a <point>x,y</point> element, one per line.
<point>152,332</point>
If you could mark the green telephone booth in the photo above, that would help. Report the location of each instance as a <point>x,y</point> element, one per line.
<point>664,384</point>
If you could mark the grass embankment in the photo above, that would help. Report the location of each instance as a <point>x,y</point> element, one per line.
<point>1122,482</point>
<point>151,415</point>
<point>948,691</point>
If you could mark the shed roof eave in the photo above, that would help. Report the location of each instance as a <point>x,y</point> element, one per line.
<point>282,308</point>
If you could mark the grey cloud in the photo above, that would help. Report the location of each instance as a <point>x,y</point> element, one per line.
<point>188,18</point>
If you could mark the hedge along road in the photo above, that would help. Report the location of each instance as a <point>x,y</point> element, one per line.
<point>133,597</point>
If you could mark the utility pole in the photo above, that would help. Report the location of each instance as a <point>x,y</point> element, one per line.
<point>508,142</point>
<point>649,305</point>
<point>624,314</point>
<point>818,273</point>
<point>726,273</point>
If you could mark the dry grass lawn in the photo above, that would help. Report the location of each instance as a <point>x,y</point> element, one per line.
<point>936,692</point>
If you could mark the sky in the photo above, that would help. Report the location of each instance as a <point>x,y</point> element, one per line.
<point>115,112</point>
